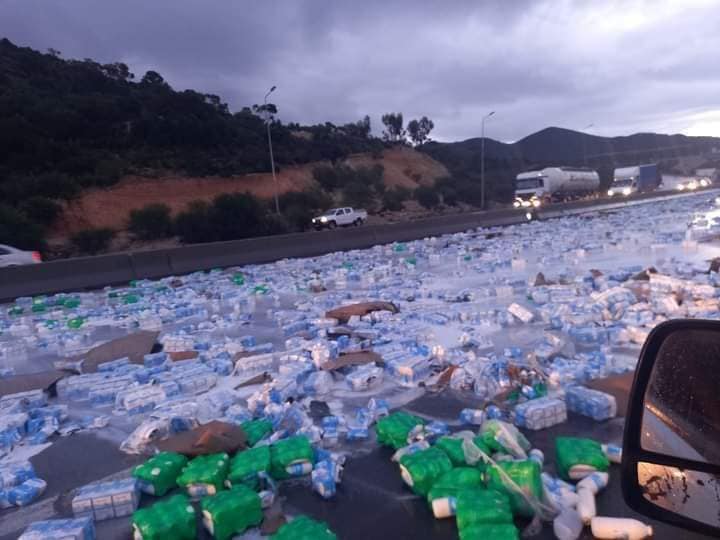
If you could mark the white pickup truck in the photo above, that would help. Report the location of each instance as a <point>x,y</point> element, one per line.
<point>339,217</point>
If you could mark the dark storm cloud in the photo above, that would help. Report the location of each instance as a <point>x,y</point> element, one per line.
<point>623,66</point>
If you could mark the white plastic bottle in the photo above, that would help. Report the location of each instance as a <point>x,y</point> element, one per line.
<point>567,525</point>
<point>619,528</point>
<point>613,452</point>
<point>586,505</point>
<point>537,455</point>
<point>595,482</point>
<point>443,507</point>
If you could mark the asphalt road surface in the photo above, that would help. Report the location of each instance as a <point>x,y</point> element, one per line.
<point>372,501</point>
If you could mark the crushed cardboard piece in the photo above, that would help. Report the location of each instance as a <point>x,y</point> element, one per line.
<point>210,438</point>
<point>260,378</point>
<point>33,381</point>
<point>440,381</point>
<point>337,331</point>
<point>182,355</point>
<point>134,346</point>
<point>644,275</point>
<point>344,313</point>
<point>353,359</point>
<point>595,273</point>
<point>714,265</point>
<point>540,280</point>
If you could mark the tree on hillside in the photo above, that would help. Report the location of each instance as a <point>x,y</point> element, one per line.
<point>267,111</point>
<point>419,130</point>
<point>361,128</point>
<point>394,131</point>
<point>118,71</point>
<point>153,78</point>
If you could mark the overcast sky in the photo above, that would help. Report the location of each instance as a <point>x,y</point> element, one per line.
<point>624,66</point>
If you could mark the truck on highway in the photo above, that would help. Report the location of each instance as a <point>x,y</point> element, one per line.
<point>635,179</point>
<point>534,188</point>
<point>339,217</point>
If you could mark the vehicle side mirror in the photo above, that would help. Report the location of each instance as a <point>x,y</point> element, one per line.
<point>671,446</point>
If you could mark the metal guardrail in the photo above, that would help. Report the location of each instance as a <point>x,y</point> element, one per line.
<point>116,268</point>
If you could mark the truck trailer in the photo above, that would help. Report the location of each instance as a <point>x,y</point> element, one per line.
<point>534,188</point>
<point>635,179</point>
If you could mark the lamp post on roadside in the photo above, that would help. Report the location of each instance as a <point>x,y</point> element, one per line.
<point>585,142</point>
<point>272,159</point>
<point>482,159</point>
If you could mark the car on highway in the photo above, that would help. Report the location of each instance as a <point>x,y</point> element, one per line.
<point>693,184</point>
<point>339,217</point>
<point>10,256</point>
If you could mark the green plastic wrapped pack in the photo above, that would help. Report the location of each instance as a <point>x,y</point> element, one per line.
<point>526,474</point>
<point>505,531</point>
<point>173,518</point>
<point>246,465</point>
<point>479,506</point>
<point>293,451</point>
<point>449,484</point>
<point>231,512</point>
<point>159,474</point>
<point>393,429</point>
<point>208,471</point>
<point>500,436</point>
<point>575,458</point>
<point>421,469</point>
<point>443,494</point>
<point>256,430</point>
<point>238,279</point>
<point>304,528</point>
<point>452,446</point>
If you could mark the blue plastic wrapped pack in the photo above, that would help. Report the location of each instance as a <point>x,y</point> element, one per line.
<point>60,529</point>
<point>27,492</point>
<point>324,477</point>
<point>364,377</point>
<point>593,403</point>
<point>540,413</point>
<point>107,500</point>
<point>472,417</point>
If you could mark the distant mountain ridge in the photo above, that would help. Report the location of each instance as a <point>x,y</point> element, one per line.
<point>554,146</point>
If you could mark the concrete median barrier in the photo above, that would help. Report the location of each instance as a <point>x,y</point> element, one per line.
<point>93,272</point>
<point>66,275</point>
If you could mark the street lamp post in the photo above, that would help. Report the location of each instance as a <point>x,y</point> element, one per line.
<point>482,159</point>
<point>272,159</point>
<point>585,143</point>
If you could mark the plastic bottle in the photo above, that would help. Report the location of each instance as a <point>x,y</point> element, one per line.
<point>594,482</point>
<point>567,525</point>
<point>625,528</point>
<point>537,456</point>
<point>444,507</point>
<point>586,505</point>
<point>613,452</point>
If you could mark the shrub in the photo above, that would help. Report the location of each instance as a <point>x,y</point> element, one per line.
<point>328,177</point>
<point>357,194</point>
<point>93,241</point>
<point>299,207</point>
<point>449,195</point>
<point>427,197</point>
<point>230,216</point>
<point>236,215</point>
<point>18,231</point>
<point>151,222</point>
<point>41,210</point>
<point>192,225</point>
<point>372,176</point>
<point>393,199</point>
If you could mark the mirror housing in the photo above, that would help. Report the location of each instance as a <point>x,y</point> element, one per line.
<point>654,483</point>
